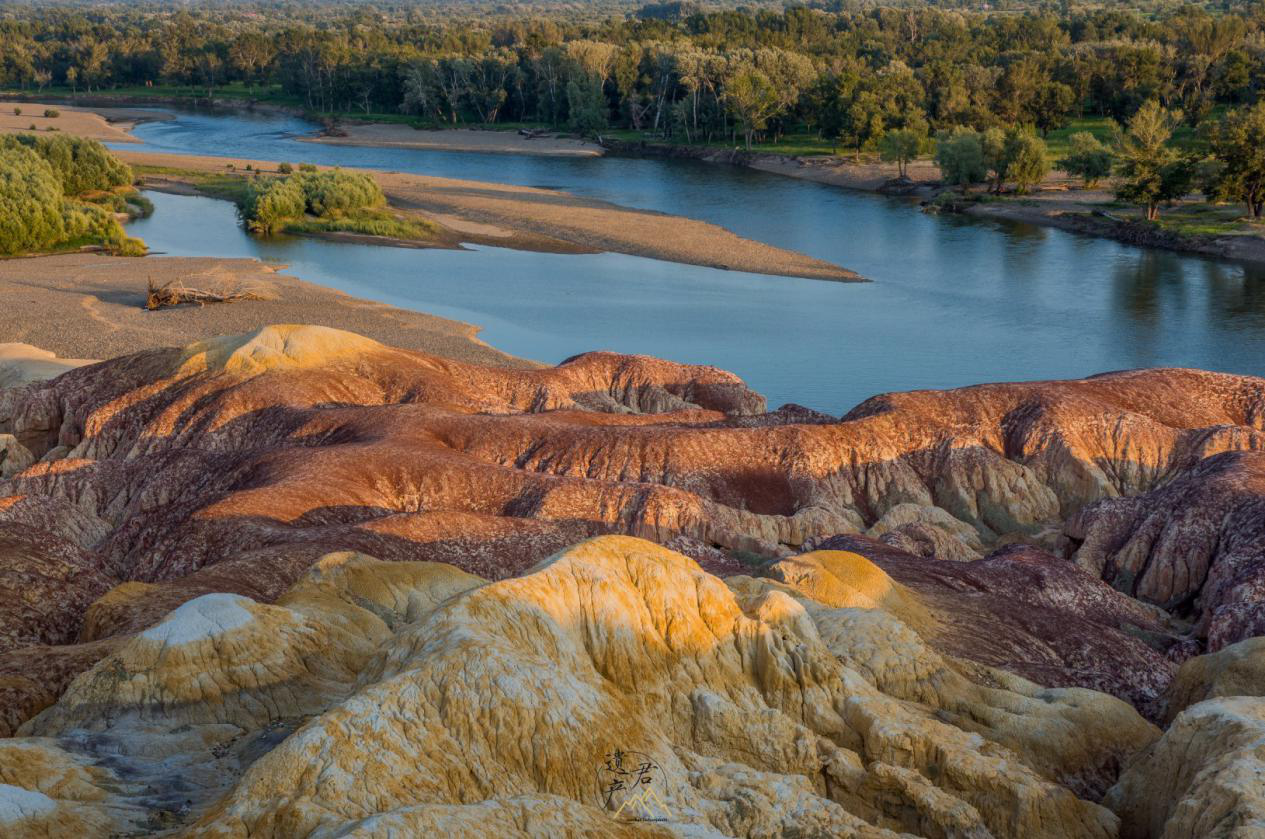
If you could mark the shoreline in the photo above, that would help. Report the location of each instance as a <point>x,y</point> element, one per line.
<point>98,301</point>
<point>476,140</point>
<point>1074,216</point>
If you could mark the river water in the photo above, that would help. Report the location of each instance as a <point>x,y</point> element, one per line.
<point>953,302</point>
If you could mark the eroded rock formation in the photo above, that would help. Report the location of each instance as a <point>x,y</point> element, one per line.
<point>417,697</point>
<point>913,572</point>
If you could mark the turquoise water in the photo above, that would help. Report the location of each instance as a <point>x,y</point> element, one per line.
<point>953,302</point>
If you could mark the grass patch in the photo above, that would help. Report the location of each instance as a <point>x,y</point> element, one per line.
<point>367,222</point>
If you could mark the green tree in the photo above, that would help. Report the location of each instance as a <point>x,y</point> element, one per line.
<point>960,156</point>
<point>901,145</point>
<point>1026,161</point>
<point>1238,144</point>
<point>1052,105</point>
<point>35,214</point>
<point>753,98</point>
<point>1087,158</point>
<point>993,146</point>
<point>586,106</point>
<point>1152,172</point>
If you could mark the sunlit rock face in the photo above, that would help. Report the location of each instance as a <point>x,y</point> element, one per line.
<point>405,696</point>
<point>300,583</point>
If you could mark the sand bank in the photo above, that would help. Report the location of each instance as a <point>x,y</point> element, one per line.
<point>109,125</point>
<point>92,306</point>
<point>544,219</point>
<point>457,139</point>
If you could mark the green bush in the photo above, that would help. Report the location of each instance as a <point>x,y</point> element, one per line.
<point>36,215</point>
<point>332,193</point>
<point>139,206</point>
<point>30,202</point>
<point>1087,158</point>
<point>17,112</point>
<point>81,165</point>
<point>307,167</point>
<point>270,203</point>
<point>51,113</point>
<point>285,168</point>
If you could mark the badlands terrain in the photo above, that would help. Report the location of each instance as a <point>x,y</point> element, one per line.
<point>299,582</point>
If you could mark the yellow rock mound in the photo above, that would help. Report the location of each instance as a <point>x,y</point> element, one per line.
<point>276,347</point>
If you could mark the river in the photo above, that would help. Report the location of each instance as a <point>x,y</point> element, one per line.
<point>953,301</point>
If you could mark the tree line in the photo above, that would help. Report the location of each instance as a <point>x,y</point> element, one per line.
<point>850,75</point>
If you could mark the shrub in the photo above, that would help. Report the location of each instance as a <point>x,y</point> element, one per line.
<point>285,168</point>
<point>138,206</point>
<point>332,193</point>
<point>960,156</point>
<point>307,167</point>
<point>269,203</point>
<point>1026,162</point>
<point>51,113</point>
<point>17,112</point>
<point>30,202</point>
<point>1087,158</point>
<point>81,165</point>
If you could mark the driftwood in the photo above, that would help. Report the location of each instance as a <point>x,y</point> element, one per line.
<point>176,293</point>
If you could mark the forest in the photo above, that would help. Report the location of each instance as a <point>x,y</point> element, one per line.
<point>668,69</point>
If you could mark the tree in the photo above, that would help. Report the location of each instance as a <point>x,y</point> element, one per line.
<point>753,98</point>
<point>960,156</point>
<point>901,146</point>
<point>1238,144</point>
<point>586,105</point>
<point>1152,171</point>
<point>993,146</point>
<point>1052,105</point>
<point>1026,162</point>
<point>1087,158</point>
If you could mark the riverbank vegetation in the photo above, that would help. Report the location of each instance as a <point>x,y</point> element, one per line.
<point>306,202</point>
<point>326,202</point>
<point>63,193</point>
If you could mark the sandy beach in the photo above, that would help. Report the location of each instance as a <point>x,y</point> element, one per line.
<point>92,306</point>
<point>456,139</point>
<point>109,125</point>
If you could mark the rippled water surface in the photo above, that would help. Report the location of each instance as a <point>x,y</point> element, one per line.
<point>953,301</point>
